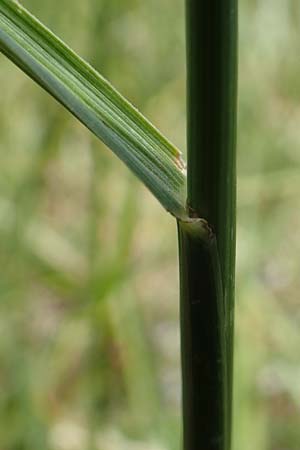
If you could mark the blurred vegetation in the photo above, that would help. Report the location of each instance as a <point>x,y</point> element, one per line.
<point>89,339</point>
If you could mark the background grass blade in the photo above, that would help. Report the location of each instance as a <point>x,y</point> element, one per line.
<point>88,96</point>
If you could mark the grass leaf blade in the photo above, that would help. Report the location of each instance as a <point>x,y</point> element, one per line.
<point>89,97</point>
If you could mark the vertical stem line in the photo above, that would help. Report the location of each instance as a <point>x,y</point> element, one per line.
<point>207,329</point>
<point>202,341</point>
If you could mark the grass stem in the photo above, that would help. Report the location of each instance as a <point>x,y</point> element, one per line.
<point>207,264</point>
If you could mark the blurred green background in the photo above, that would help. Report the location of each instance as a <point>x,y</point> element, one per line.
<point>89,338</point>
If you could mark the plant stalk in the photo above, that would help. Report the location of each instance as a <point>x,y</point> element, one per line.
<point>202,338</point>
<point>207,263</point>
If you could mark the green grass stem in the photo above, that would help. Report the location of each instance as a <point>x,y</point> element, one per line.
<point>207,265</point>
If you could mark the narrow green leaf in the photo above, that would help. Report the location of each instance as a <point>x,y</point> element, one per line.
<point>89,97</point>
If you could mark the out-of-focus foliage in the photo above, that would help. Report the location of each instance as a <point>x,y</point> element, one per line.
<point>89,339</point>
